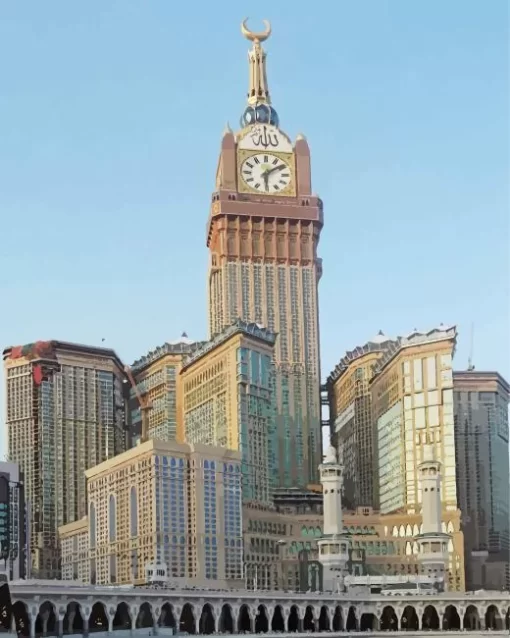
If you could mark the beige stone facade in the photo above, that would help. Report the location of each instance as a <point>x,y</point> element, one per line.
<point>165,503</point>
<point>74,549</point>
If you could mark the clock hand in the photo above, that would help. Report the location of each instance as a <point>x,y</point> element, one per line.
<point>276,168</point>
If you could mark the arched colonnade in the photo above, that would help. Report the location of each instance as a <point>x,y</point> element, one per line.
<point>200,617</point>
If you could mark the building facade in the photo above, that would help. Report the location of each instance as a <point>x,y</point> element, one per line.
<point>13,522</point>
<point>412,404</point>
<point>481,441</point>
<point>350,418</point>
<point>161,503</point>
<point>262,234</point>
<point>65,413</point>
<point>157,373</point>
<point>228,399</point>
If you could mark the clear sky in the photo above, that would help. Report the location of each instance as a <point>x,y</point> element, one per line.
<point>111,115</point>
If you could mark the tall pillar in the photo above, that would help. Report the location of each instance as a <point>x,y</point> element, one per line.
<point>334,544</point>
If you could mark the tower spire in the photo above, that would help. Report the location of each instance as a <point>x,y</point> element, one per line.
<point>259,100</point>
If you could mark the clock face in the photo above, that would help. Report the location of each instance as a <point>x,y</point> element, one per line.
<point>266,173</point>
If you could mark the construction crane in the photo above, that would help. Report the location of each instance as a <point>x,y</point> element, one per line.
<point>145,404</point>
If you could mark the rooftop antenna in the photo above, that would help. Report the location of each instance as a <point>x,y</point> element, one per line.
<point>471,367</point>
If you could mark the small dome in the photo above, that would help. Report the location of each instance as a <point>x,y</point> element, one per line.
<point>261,114</point>
<point>380,337</point>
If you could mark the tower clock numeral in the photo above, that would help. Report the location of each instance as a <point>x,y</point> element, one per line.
<point>266,159</point>
<point>266,173</point>
<point>248,164</point>
<point>257,185</point>
<point>275,161</point>
<point>256,160</point>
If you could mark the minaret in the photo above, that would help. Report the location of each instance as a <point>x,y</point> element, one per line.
<point>334,544</point>
<point>432,542</point>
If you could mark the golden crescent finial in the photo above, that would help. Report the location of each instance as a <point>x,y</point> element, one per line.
<point>252,35</point>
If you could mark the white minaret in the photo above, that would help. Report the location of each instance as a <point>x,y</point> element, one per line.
<point>432,542</point>
<point>334,544</point>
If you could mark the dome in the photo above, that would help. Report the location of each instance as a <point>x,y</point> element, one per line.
<point>261,114</point>
<point>380,337</point>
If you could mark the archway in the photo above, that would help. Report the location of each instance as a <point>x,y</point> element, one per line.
<point>226,622</point>
<point>389,620</point>
<point>46,622</point>
<point>207,624</point>
<point>20,613</point>
<point>187,620</point>
<point>309,620</point>
<point>73,619</point>
<point>493,618</point>
<point>430,618</point>
<point>122,618</point>
<point>351,623</point>
<point>144,620</point>
<point>167,618</point>
<point>451,619</point>
<point>338,621</point>
<point>293,622</point>
<point>244,620</point>
<point>324,624</point>
<point>98,620</point>
<point>507,623</point>
<point>5,596</point>
<point>277,621</point>
<point>409,620</point>
<point>261,620</point>
<point>368,622</point>
<point>471,620</point>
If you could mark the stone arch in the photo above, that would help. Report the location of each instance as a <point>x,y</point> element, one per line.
<point>430,618</point>
<point>409,620</point>
<point>207,622</point>
<point>451,618</point>
<point>278,621</point>
<point>226,621</point>
<point>471,620</point>
<point>261,620</point>
<point>338,619</point>
<point>324,622</point>
<point>493,618</point>
<point>244,620</point>
<point>144,619</point>
<point>73,619</point>
<point>46,621</point>
<point>20,613</point>
<point>351,622</point>
<point>167,616</point>
<point>389,619</point>
<point>187,620</point>
<point>309,620</point>
<point>98,620</point>
<point>122,618</point>
<point>368,622</point>
<point>293,621</point>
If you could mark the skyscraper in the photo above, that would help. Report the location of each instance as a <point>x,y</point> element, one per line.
<point>65,413</point>
<point>481,442</point>
<point>262,235</point>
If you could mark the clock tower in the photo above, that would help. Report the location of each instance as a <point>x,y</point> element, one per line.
<point>262,234</point>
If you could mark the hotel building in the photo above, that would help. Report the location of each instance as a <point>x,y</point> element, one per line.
<point>13,522</point>
<point>228,398</point>
<point>481,441</point>
<point>65,413</point>
<point>157,373</point>
<point>262,235</point>
<point>160,503</point>
<point>350,410</point>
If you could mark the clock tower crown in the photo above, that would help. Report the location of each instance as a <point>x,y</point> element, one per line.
<point>259,109</point>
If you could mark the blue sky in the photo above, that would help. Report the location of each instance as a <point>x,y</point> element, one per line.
<point>111,115</point>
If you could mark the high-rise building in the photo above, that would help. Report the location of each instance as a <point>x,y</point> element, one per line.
<point>262,235</point>
<point>65,413</point>
<point>481,441</point>
<point>412,407</point>
<point>165,505</point>
<point>350,417</point>
<point>157,373</point>
<point>13,541</point>
<point>228,402</point>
